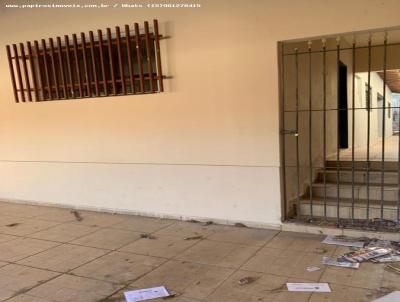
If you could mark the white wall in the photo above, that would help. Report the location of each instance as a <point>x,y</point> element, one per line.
<point>208,147</point>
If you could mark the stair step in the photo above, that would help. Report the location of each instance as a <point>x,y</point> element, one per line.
<point>360,208</point>
<point>390,192</point>
<point>362,165</point>
<point>360,177</point>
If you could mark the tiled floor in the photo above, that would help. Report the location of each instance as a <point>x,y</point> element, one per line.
<point>47,255</point>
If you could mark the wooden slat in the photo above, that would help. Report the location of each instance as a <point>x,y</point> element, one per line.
<point>129,56</point>
<point>25,69</point>
<point>53,67</point>
<point>33,71</point>
<point>111,61</point>
<point>77,67</point>
<point>85,65</point>
<point>61,66</point>
<point>19,75</point>
<point>148,55</point>
<point>46,70</point>
<point>158,56</point>
<point>139,57</point>
<point>94,63</point>
<point>103,67</point>
<point>39,71</point>
<point>69,66</point>
<point>120,62</point>
<point>13,82</point>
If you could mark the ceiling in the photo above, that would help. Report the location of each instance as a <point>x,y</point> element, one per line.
<point>392,79</point>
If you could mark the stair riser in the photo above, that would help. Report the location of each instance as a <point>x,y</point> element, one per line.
<point>345,212</point>
<point>359,193</point>
<point>374,178</point>
<point>362,165</point>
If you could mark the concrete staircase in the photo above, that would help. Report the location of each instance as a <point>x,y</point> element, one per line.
<point>391,191</point>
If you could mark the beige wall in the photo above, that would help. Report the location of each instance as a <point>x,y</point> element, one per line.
<point>208,147</point>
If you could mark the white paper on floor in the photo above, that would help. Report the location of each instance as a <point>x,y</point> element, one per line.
<point>392,297</point>
<point>309,287</point>
<point>342,241</point>
<point>312,268</point>
<point>146,294</point>
<point>333,262</point>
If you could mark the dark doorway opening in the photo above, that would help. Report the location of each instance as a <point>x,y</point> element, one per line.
<point>343,123</point>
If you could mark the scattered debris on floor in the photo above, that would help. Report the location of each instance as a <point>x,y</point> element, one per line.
<point>240,225</point>
<point>278,289</point>
<point>392,297</point>
<point>247,280</point>
<point>343,241</point>
<point>208,223</point>
<point>312,268</point>
<point>78,216</point>
<point>193,221</point>
<point>364,254</point>
<point>146,294</point>
<point>147,236</point>
<point>320,250</point>
<point>333,262</point>
<point>309,287</point>
<point>193,237</point>
<point>12,224</point>
<point>393,267</point>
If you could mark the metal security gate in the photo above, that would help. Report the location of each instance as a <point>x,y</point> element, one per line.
<point>340,144</point>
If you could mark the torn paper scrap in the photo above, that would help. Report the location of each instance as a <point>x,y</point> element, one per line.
<point>343,241</point>
<point>364,254</point>
<point>333,262</point>
<point>392,297</point>
<point>309,287</point>
<point>146,294</point>
<point>386,259</point>
<point>312,268</point>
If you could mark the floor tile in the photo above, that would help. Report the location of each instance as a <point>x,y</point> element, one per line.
<point>63,258</point>
<point>19,279</point>
<point>265,287</point>
<point>341,293</point>
<point>67,288</point>
<point>21,210</point>
<point>218,253</point>
<point>184,229</point>
<point>143,224</point>
<point>245,236</point>
<point>119,267</point>
<point>300,242</point>
<point>26,298</point>
<point>192,280</point>
<point>64,232</point>
<point>57,214</point>
<point>108,238</point>
<point>287,263</point>
<point>23,226</point>
<point>5,238</point>
<point>161,246</point>
<point>99,219</point>
<point>20,248</point>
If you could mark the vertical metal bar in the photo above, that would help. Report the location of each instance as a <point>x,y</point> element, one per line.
<point>85,65</point>
<point>40,74</point>
<point>94,63</point>
<point>69,66</point>
<point>368,121</point>
<point>53,68</point>
<point>103,68</point>
<point>398,173</point>
<point>129,56</point>
<point>19,76</point>
<point>13,82</point>
<point>46,70</point>
<point>324,117</point>
<point>310,128</point>
<point>158,57</point>
<point>148,56</point>
<point>110,57</point>
<point>139,57</point>
<point>353,104</point>
<point>61,66</point>
<point>33,71</point>
<point>25,69</point>
<point>77,65</point>
<point>383,126</point>
<point>338,134</point>
<point>120,62</point>
<point>297,136</point>
<point>283,135</point>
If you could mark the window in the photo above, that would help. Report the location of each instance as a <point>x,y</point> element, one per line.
<point>368,100</point>
<point>100,64</point>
